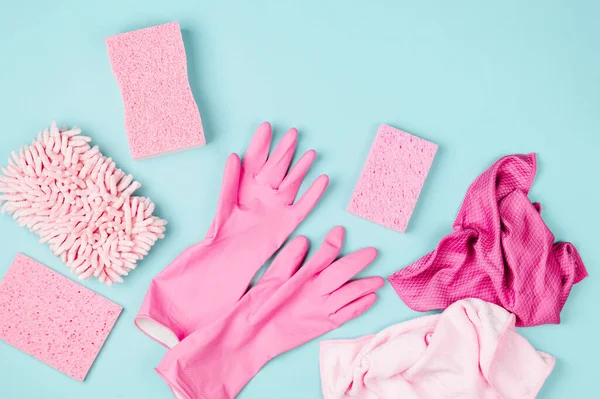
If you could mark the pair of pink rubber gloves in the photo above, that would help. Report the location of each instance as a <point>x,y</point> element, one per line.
<point>221,336</point>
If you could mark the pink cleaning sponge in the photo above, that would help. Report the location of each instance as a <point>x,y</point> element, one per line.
<point>160,112</point>
<point>78,202</point>
<point>392,178</point>
<point>52,318</point>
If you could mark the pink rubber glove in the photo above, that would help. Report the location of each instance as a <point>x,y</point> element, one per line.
<point>285,309</point>
<point>255,215</point>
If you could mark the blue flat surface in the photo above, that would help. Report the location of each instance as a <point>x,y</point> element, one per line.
<point>482,80</point>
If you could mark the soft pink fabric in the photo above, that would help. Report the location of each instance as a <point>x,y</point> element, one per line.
<point>285,309</point>
<point>501,251</point>
<point>470,351</point>
<point>52,318</point>
<point>160,112</point>
<point>81,204</point>
<point>392,178</point>
<point>255,215</point>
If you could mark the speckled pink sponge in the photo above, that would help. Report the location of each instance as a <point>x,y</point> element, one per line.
<point>52,318</point>
<point>392,178</point>
<point>160,112</point>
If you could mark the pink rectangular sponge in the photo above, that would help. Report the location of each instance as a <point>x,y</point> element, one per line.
<point>151,69</point>
<point>53,318</point>
<point>392,178</point>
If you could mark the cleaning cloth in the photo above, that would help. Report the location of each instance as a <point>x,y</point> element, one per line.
<point>501,251</point>
<point>472,350</point>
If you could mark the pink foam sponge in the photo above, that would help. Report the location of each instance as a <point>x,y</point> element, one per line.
<point>79,203</point>
<point>53,318</point>
<point>160,112</point>
<point>392,178</point>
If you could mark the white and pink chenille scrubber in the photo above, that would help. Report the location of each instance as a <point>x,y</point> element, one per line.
<point>79,203</point>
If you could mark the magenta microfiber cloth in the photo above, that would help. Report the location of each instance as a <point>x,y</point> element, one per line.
<point>80,203</point>
<point>160,112</point>
<point>52,318</point>
<point>392,178</point>
<point>501,251</point>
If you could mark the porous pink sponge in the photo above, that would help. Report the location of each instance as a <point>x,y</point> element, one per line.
<point>77,201</point>
<point>160,112</point>
<point>53,318</point>
<point>392,178</point>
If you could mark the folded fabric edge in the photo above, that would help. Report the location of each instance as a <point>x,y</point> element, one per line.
<point>548,359</point>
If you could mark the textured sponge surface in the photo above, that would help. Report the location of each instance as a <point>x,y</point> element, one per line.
<point>52,318</point>
<point>160,112</point>
<point>392,178</point>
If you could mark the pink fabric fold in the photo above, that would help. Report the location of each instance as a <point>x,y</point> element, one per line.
<point>501,251</point>
<point>472,350</point>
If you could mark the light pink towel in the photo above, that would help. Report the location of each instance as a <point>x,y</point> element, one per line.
<point>501,251</point>
<point>470,351</point>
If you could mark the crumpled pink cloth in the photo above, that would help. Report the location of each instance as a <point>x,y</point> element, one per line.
<point>470,351</point>
<point>501,251</point>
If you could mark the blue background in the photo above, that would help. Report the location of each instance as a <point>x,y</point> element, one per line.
<point>482,80</point>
